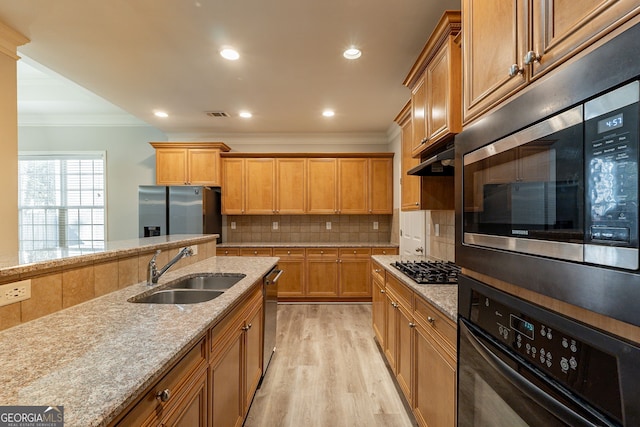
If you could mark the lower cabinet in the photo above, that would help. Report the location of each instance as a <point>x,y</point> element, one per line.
<point>419,343</point>
<point>216,389</point>
<point>291,283</point>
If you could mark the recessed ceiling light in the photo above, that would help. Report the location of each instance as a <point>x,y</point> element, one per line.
<point>230,54</point>
<point>328,113</point>
<point>161,114</point>
<point>245,114</point>
<point>352,53</point>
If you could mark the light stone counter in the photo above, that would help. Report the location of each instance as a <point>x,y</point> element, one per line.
<point>97,357</point>
<point>307,245</point>
<point>443,297</point>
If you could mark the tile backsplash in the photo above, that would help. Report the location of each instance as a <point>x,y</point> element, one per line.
<point>308,228</point>
<point>440,234</point>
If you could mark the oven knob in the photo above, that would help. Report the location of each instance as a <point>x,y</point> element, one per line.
<point>549,363</point>
<point>574,347</point>
<point>500,329</point>
<point>542,359</point>
<point>573,363</point>
<point>543,331</point>
<point>528,347</point>
<point>505,334</point>
<point>549,336</point>
<point>565,343</point>
<point>549,355</point>
<point>542,352</point>
<point>519,344</point>
<point>533,351</point>
<point>564,364</point>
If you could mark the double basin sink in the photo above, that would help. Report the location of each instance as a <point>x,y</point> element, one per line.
<point>191,290</point>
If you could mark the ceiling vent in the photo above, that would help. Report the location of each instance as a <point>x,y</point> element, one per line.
<point>217,114</point>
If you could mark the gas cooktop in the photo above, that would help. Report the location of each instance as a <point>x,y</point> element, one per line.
<point>429,272</point>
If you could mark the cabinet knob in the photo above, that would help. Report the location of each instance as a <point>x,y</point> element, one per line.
<point>246,327</point>
<point>355,252</point>
<point>412,325</point>
<point>321,252</point>
<point>431,320</point>
<point>382,291</point>
<point>514,70</point>
<point>417,203</point>
<point>255,252</point>
<point>288,252</point>
<point>531,57</point>
<point>377,270</point>
<point>163,395</point>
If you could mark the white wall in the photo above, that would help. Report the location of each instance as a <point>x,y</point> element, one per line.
<point>130,162</point>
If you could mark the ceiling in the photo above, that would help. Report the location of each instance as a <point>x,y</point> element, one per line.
<point>141,56</point>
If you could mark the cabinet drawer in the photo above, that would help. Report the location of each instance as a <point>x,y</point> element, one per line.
<point>285,253</point>
<point>355,252</point>
<point>322,253</point>
<point>384,251</point>
<point>176,381</point>
<point>377,272</point>
<point>434,321</point>
<point>255,252</point>
<point>227,251</point>
<point>400,291</point>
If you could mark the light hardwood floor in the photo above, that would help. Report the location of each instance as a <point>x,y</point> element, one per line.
<point>327,371</point>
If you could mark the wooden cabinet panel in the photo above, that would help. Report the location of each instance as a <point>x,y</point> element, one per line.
<point>204,167</point>
<point>188,163</point>
<point>495,37</point>
<point>322,275</point>
<point>404,359</point>
<point>171,166</point>
<point>380,186</point>
<point>226,385</point>
<point>227,252</point>
<point>353,186</point>
<point>391,339</point>
<point>379,311</point>
<point>291,186</point>
<point>253,353</point>
<point>259,186</point>
<point>255,252</point>
<point>354,278</point>
<point>193,410</point>
<point>409,184</point>
<point>321,182</point>
<point>291,283</point>
<point>419,116</point>
<point>233,173</point>
<point>384,251</point>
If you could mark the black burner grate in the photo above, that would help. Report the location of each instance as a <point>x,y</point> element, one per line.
<point>429,272</point>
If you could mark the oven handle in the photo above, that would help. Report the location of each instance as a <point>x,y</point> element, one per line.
<point>552,405</point>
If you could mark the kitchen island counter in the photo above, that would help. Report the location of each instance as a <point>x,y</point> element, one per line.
<point>443,297</point>
<point>307,245</point>
<point>97,357</point>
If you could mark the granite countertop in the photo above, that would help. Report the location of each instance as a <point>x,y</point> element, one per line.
<point>308,245</point>
<point>97,357</point>
<point>443,297</point>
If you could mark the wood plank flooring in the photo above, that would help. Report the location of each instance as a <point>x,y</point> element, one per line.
<point>327,371</point>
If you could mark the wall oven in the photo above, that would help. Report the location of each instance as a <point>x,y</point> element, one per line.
<point>522,365</point>
<point>547,185</point>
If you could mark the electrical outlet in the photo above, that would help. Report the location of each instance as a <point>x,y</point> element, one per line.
<point>15,292</point>
<point>375,225</point>
<point>233,225</point>
<point>328,225</point>
<point>275,225</point>
<point>436,229</point>
<point>194,249</point>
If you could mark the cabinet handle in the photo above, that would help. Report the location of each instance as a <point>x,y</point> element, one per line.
<point>321,252</point>
<point>377,270</point>
<point>163,395</point>
<point>431,320</point>
<point>417,203</point>
<point>514,70</point>
<point>412,325</point>
<point>394,304</point>
<point>382,291</point>
<point>288,252</point>
<point>246,327</point>
<point>531,57</point>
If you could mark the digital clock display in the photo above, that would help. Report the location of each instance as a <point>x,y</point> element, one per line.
<point>610,123</point>
<point>522,326</point>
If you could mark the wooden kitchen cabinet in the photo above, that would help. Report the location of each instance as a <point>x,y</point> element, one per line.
<point>260,186</point>
<point>410,185</point>
<point>385,251</point>
<point>322,180</point>
<point>378,304</point>
<point>508,43</point>
<point>380,188</point>
<point>291,186</point>
<point>291,283</point>
<point>188,163</point>
<point>177,396</point>
<point>353,271</point>
<point>322,272</point>
<point>235,360</point>
<point>400,325</point>
<point>255,252</point>
<point>435,86</point>
<point>352,186</point>
<point>227,252</point>
<point>233,176</point>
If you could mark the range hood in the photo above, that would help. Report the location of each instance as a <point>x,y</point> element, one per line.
<point>439,164</point>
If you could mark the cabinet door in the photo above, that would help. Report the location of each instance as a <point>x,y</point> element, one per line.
<point>495,37</point>
<point>379,311</point>
<point>443,83</point>
<point>227,399</point>
<point>321,183</point>
<point>381,186</point>
<point>352,186</point>
<point>391,341</point>
<point>203,167</point>
<point>404,359</point>
<point>260,186</point>
<point>409,184</point>
<point>562,28</point>
<point>291,283</point>
<point>192,410</point>
<point>354,278</point>
<point>435,382</point>
<point>418,117</point>
<point>233,186</point>
<point>253,353</point>
<point>171,166</point>
<point>322,273</point>
<point>291,186</point>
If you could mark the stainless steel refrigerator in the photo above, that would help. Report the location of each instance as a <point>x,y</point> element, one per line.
<point>178,210</point>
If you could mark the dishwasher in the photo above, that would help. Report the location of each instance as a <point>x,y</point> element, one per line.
<point>270,310</point>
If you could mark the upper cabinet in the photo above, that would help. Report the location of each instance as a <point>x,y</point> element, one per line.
<point>435,83</point>
<point>409,184</point>
<point>266,184</point>
<point>188,163</point>
<point>509,43</point>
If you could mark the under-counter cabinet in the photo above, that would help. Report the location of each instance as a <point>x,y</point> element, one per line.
<point>291,283</point>
<point>322,272</point>
<point>378,303</point>
<point>509,43</point>
<point>188,163</point>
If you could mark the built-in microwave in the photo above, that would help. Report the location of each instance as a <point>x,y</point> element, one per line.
<point>565,188</point>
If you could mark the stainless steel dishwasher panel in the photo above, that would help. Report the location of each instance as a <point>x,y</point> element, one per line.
<point>270,292</point>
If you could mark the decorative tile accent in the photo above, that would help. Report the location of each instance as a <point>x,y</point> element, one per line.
<point>106,276</point>
<point>46,297</point>
<point>77,286</point>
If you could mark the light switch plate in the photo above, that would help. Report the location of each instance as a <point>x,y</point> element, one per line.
<point>375,225</point>
<point>233,225</point>
<point>15,292</point>
<point>275,225</point>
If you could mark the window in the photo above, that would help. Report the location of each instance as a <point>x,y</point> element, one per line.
<point>61,201</point>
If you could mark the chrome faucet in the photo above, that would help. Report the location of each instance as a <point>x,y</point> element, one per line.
<point>152,271</point>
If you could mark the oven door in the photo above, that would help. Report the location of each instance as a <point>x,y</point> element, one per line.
<point>496,390</point>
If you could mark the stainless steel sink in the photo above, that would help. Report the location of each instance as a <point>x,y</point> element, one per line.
<point>178,296</point>
<point>221,281</point>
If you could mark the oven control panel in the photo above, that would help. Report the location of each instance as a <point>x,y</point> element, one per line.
<point>549,349</point>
